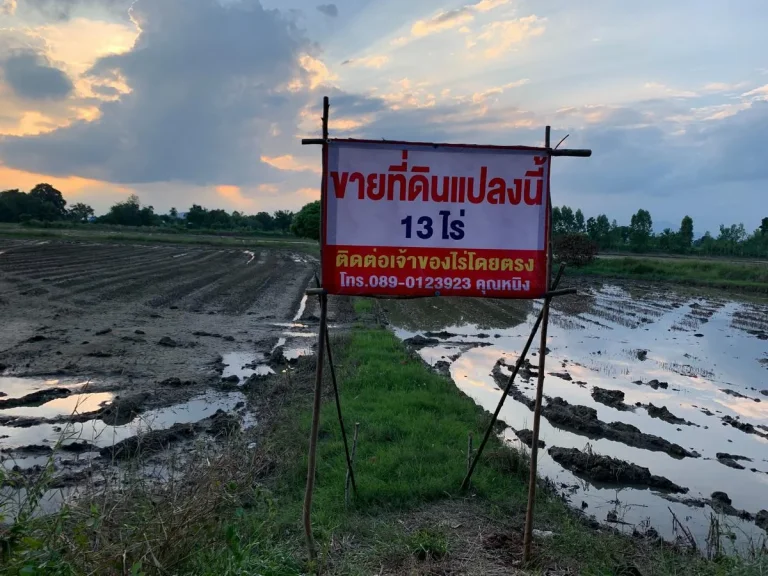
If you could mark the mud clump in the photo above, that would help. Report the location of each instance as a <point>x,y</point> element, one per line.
<point>564,375</point>
<point>36,399</point>
<point>738,394</point>
<point>176,382</point>
<point>149,443</point>
<point>761,520</point>
<point>206,334</point>
<point>583,420</point>
<point>743,426</point>
<point>221,423</point>
<point>732,456</point>
<point>526,437</point>
<point>655,384</point>
<point>731,463</point>
<point>103,332</point>
<point>418,342</point>
<point>123,410</point>
<point>721,497</point>
<point>443,367</point>
<point>167,341</point>
<point>611,470</point>
<point>79,447</point>
<point>612,398</point>
<point>443,335</point>
<point>663,413</point>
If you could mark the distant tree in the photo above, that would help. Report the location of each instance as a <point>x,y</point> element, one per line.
<point>17,206</point>
<point>197,215</point>
<point>265,221</point>
<point>569,220</point>
<point>306,224</point>
<point>668,240</point>
<point>283,219</point>
<point>557,222</point>
<point>48,194</point>
<point>80,212</point>
<point>640,230</point>
<point>173,213</point>
<point>579,222</point>
<point>764,227</point>
<point>686,233</point>
<point>130,213</point>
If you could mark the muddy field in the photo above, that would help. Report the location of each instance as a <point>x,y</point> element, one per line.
<point>99,342</point>
<point>656,400</point>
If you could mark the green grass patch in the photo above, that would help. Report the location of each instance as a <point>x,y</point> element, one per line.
<point>714,273</point>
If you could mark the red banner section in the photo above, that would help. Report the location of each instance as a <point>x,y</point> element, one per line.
<point>391,271</point>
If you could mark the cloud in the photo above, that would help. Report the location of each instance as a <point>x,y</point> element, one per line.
<point>62,10</point>
<point>497,38</point>
<point>31,76</point>
<point>487,5</point>
<point>367,61</point>
<point>329,10</point>
<point>442,21</point>
<point>8,7</point>
<point>204,100</point>
<point>288,162</point>
<point>661,89</point>
<point>478,97</point>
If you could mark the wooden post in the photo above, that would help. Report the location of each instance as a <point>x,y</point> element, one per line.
<point>528,535</point>
<point>308,493</point>
<point>515,370</point>
<point>352,463</point>
<point>469,451</point>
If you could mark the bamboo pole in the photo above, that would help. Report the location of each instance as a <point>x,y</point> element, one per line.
<point>312,465</point>
<point>528,535</point>
<point>515,370</point>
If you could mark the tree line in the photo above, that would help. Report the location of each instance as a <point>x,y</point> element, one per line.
<point>639,236</point>
<point>45,204</point>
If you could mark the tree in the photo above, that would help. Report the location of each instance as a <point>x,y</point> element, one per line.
<point>764,227</point>
<point>686,233</point>
<point>568,219</point>
<point>130,213</point>
<point>283,219</point>
<point>173,213</point>
<point>197,215</point>
<point>579,222</point>
<point>49,194</point>
<point>264,221</point>
<point>80,212</point>
<point>640,230</point>
<point>306,224</point>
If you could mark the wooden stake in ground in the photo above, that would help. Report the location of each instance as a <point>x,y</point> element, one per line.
<point>527,537</point>
<point>319,368</point>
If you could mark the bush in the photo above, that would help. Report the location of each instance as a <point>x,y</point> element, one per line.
<point>306,224</point>
<point>574,249</point>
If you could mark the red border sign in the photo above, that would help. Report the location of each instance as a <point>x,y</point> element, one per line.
<point>415,219</point>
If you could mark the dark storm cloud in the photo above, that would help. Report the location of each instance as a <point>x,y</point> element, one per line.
<point>329,10</point>
<point>31,76</point>
<point>204,80</point>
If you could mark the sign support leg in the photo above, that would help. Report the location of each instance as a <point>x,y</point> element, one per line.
<point>321,345</point>
<point>518,365</point>
<point>528,535</point>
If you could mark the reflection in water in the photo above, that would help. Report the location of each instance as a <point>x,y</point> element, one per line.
<point>690,344</point>
<point>75,404</point>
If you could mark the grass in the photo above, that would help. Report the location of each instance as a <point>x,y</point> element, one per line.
<point>702,272</point>
<point>242,516</point>
<point>136,235</point>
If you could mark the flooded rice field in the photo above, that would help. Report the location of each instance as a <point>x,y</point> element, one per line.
<point>101,344</point>
<point>674,382</point>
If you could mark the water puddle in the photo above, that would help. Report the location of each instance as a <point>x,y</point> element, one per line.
<point>70,405</point>
<point>101,435</point>
<point>637,343</point>
<point>250,255</point>
<point>12,387</point>
<point>302,307</point>
<point>244,365</point>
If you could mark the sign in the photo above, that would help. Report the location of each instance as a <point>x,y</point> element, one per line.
<point>406,219</point>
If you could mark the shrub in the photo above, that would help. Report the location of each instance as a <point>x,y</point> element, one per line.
<point>574,249</point>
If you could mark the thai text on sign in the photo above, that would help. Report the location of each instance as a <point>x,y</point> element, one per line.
<point>407,219</point>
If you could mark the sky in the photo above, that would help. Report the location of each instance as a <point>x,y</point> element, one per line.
<point>206,101</point>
